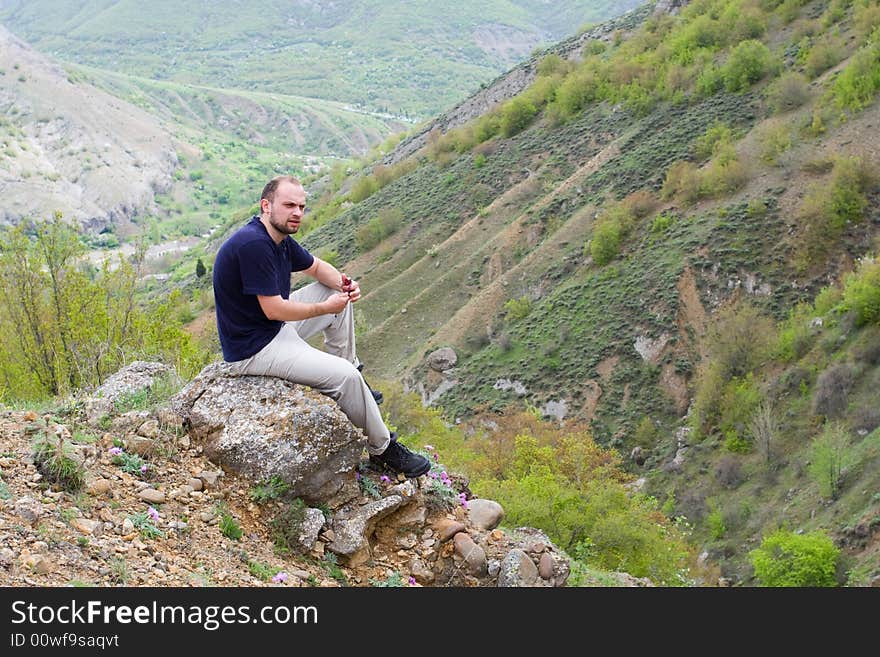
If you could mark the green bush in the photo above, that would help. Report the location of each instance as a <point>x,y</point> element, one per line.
<point>516,114</point>
<point>517,309</point>
<point>789,559</point>
<point>861,292</point>
<point>856,86</point>
<point>385,224</point>
<point>605,244</point>
<point>749,62</point>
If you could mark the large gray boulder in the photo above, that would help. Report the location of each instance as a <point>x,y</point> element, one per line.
<point>266,427</point>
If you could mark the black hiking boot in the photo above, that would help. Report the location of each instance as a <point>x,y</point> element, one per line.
<point>398,458</point>
<point>378,396</point>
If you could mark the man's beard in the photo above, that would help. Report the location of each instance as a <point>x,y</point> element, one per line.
<point>281,225</point>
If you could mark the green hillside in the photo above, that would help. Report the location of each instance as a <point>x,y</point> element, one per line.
<point>414,58</point>
<point>659,240</point>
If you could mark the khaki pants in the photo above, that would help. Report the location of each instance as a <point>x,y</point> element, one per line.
<point>332,372</point>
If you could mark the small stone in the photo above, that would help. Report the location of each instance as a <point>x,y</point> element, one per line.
<point>209,478</point>
<point>85,526</point>
<point>473,554</point>
<point>7,557</point>
<point>447,528</point>
<point>545,566</point>
<point>152,496</point>
<point>99,487</point>
<point>195,483</point>
<point>127,526</point>
<point>149,429</point>
<point>485,514</point>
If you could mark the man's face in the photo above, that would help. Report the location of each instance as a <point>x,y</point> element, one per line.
<point>287,208</point>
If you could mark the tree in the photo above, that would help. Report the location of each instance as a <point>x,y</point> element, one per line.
<point>200,268</point>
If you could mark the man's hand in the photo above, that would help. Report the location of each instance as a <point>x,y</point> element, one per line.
<point>335,303</point>
<point>351,287</point>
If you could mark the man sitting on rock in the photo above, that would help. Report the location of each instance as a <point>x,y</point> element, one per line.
<point>263,327</point>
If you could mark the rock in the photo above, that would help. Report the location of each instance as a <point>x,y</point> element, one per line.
<point>137,376</point>
<point>442,359</point>
<point>208,478</point>
<point>485,514</point>
<point>149,429</point>
<point>195,483</point>
<point>141,446</point>
<point>99,487</point>
<point>473,555</point>
<point>447,528</point>
<point>352,527</point>
<point>312,524</point>
<point>545,566</point>
<point>28,509</point>
<point>127,526</point>
<point>517,570</point>
<point>421,572</point>
<point>7,557</point>
<point>152,496</point>
<point>86,526</point>
<point>265,427</point>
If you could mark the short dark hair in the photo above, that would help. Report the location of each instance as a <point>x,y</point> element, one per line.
<point>269,190</point>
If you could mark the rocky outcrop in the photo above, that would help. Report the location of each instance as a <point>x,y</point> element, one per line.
<point>268,428</point>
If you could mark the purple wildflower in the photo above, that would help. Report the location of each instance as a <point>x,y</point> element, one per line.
<point>411,581</point>
<point>357,476</point>
<point>279,577</point>
<point>463,499</point>
<point>115,451</point>
<point>430,448</point>
<point>153,513</point>
<point>432,475</point>
<point>436,456</point>
<point>384,478</point>
<point>143,468</point>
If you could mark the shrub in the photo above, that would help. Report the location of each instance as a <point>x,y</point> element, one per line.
<point>518,308</point>
<point>823,55</point>
<point>866,419</point>
<point>728,472</point>
<point>858,83</point>
<point>516,114</point>
<point>749,62</point>
<point>830,456</point>
<point>364,188</point>
<point>832,390</point>
<point>682,180</point>
<point>789,559</point>
<point>774,140</point>
<point>865,18</point>
<point>269,490</point>
<point>867,350</point>
<point>707,144</point>
<point>861,292</point>
<point>385,224</point>
<point>286,527</point>
<point>56,461</point>
<point>605,243</point>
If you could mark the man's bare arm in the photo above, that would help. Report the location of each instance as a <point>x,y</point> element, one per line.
<point>288,310</point>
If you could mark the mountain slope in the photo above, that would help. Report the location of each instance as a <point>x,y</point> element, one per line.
<point>642,261</point>
<point>68,147</point>
<point>404,57</point>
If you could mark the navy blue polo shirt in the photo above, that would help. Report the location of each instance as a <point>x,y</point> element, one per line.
<point>251,263</point>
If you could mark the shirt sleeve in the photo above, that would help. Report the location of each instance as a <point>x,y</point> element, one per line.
<point>300,259</point>
<point>259,269</point>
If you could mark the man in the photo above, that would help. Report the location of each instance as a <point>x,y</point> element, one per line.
<point>263,327</point>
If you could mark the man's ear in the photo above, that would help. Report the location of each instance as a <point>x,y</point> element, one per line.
<point>264,208</point>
